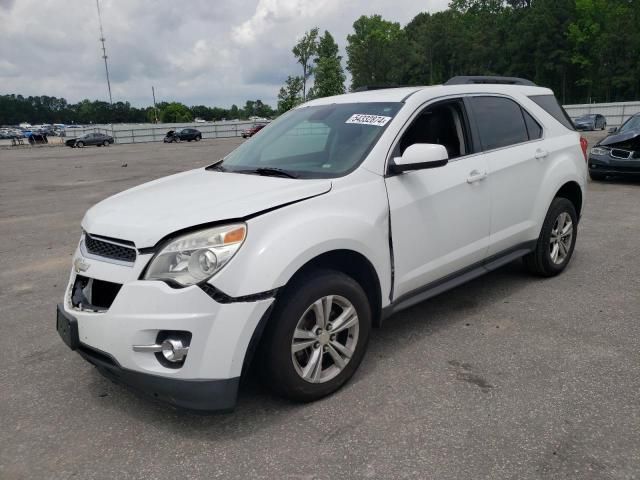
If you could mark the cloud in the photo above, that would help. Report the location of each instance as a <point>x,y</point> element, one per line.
<point>197,52</point>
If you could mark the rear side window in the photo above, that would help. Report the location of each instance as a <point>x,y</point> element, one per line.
<point>500,122</point>
<point>533,128</point>
<point>553,108</point>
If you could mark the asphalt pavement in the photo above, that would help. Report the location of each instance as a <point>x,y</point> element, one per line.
<point>507,377</point>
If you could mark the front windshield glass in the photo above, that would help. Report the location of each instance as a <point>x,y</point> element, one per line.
<point>315,142</point>
<point>586,117</point>
<point>632,124</point>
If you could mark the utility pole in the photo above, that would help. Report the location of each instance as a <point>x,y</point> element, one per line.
<point>155,109</point>
<point>104,52</point>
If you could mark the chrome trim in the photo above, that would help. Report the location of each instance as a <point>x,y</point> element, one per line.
<point>147,348</point>
<point>629,153</point>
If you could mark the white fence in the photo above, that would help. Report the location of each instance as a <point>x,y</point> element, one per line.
<point>616,113</point>
<point>142,133</point>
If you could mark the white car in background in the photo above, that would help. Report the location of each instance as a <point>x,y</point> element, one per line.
<point>340,213</point>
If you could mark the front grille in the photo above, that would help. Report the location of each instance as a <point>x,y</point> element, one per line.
<point>621,154</point>
<point>107,249</point>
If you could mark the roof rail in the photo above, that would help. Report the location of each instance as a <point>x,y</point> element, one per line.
<point>366,88</point>
<point>468,80</point>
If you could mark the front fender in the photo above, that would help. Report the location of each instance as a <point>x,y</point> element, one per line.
<point>354,215</point>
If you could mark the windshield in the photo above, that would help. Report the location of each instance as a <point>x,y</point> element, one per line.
<point>315,142</point>
<point>586,117</point>
<point>632,124</point>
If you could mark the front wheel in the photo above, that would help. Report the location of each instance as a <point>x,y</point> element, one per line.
<point>317,336</point>
<point>79,144</point>
<point>557,240</point>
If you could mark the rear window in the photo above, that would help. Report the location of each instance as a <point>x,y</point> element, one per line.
<point>553,108</point>
<point>500,122</point>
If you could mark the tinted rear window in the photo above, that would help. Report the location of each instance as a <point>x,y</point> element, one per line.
<point>553,108</point>
<point>500,122</point>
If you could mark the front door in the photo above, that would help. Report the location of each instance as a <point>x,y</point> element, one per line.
<point>440,217</point>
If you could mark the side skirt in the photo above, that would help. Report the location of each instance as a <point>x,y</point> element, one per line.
<point>458,278</point>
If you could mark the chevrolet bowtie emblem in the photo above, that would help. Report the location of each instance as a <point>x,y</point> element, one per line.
<point>80,265</point>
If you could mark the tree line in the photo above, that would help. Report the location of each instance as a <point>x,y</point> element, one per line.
<point>585,50</point>
<point>15,109</point>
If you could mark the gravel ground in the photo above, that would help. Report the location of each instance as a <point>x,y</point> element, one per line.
<point>506,377</point>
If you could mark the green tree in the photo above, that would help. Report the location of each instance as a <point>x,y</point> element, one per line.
<point>376,52</point>
<point>328,73</point>
<point>289,95</point>
<point>304,52</point>
<point>175,112</point>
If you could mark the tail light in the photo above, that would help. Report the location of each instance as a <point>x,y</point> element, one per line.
<point>584,145</point>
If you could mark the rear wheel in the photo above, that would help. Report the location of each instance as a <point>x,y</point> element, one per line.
<point>596,177</point>
<point>105,143</point>
<point>198,138</point>
<point>317,336</point>
<point>557,240</point>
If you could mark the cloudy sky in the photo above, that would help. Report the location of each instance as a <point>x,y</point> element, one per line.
<point>211,52</point>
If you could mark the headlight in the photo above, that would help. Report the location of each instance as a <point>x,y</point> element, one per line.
<point>197,256</point>
<point>599,151</point>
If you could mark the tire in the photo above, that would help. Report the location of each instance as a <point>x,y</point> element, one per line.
<point>198,138</point>
<point>105,143</point>
<point>597,177</point>
<point>80,144</point>
<point>282,369</point>
<point>541,261</point>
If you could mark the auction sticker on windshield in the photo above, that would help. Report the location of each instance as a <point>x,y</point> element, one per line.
<point>364,119</point>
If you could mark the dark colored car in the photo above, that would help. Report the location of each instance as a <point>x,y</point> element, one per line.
<point>592,121</point>
<point>98,139</point>
<point>619,153</point>
<point>187,134</point>
<point>250,132</point>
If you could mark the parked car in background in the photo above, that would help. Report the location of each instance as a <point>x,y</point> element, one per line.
<point>619,153</point>
<point>592,121</point>
<point>98,139</point>
<point>347,210</point>
<point>250,132</point>
<point>187,134</point>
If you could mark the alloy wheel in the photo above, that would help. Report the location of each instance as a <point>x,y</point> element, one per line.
<point>325,339</point>
<point>561,238</point>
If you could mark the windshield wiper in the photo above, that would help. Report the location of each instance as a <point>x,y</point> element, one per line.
<point>272,172</point>
<point>217,166</point>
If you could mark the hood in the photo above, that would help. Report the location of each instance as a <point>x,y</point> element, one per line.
<point>149,212</point>
<point>630,140</point>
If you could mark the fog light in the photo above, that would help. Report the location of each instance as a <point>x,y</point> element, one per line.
<point>173,350</point>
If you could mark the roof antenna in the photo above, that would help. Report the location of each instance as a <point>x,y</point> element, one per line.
<point>104,52</point>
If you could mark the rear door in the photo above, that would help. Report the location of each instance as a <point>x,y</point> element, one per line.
<point>439,216</point>
<point>511,142</point>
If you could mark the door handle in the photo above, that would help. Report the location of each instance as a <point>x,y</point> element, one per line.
<point>540,154</point>
<point>476,176</point>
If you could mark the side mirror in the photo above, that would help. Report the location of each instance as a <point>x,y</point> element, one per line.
<point>420,156</point>
<point>613,129</point>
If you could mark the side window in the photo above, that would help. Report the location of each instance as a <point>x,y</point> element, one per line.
<point>500,122</point>
<point>442,123</point>
<point>533,128</point>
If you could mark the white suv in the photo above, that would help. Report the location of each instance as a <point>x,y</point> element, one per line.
<point>335,216</point>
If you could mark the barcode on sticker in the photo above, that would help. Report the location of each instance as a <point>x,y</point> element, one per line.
<point>364,119</point>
